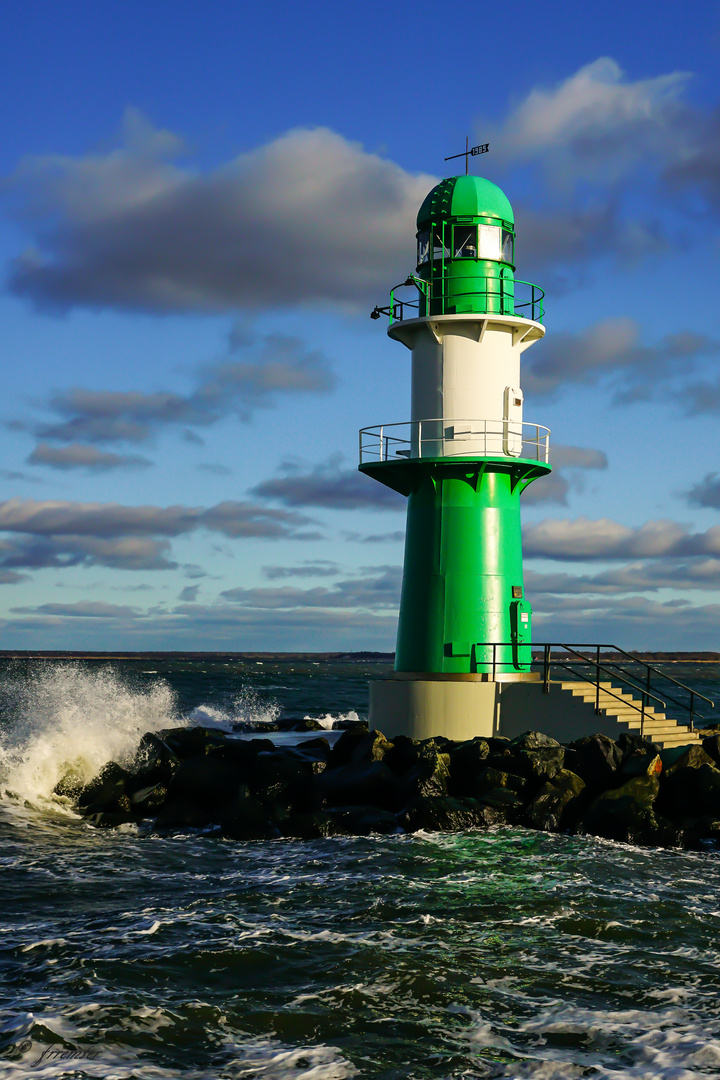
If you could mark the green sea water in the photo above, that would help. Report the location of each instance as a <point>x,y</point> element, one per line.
<point>498,953</point>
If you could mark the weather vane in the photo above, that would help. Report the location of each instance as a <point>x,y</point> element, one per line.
<point>470,151</point>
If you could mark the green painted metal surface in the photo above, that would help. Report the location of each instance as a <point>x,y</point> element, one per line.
<point>463,557</point>
<point>466,241</point>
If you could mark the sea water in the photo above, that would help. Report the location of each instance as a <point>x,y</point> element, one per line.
<point>494,953</point>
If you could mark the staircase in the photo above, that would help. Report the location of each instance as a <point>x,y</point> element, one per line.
<point>626,710</point>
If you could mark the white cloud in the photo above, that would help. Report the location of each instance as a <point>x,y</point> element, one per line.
<point>583,539</point>
<point>597,124</point>
<point>308,217</point>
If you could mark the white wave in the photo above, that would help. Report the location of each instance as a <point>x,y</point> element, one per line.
<point>248,706</point>
<point>656,1044</point>
<point>328,720</point>
<point>70,719</point>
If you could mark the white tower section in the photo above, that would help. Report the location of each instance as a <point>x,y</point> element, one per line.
<point>466,388</point>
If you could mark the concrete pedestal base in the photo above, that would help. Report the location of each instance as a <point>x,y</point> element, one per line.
<point>461,708</point>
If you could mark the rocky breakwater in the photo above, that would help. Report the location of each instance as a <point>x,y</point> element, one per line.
<point>630,790</point>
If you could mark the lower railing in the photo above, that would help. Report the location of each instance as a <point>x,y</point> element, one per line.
<point>447,437</point>
<point>592,666</point>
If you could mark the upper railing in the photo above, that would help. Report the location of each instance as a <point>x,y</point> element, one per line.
<point>447,296</point>
<point>446,437</point>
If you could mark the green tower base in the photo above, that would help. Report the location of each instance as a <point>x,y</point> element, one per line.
<point>462,608</point>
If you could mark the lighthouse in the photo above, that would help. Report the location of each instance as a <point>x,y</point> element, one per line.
<point>462,460</point>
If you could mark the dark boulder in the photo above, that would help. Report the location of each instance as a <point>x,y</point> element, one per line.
<point>312,826</point>
<point>556,804</point>
<point>364,820</point>
<point>444,814</point>
<point>146,802</point>
<point>675,758</point>
<point>711,746</point>
<point>70,786</point>
<point>106,793</point>
<point>283,776</point>
<point>534,740</point>
<point>624,813</point>
<point>154,762</point>
<point>596,759</point>
<point>491,778</point>
<point>192,741</point>
<point>691,791</point>
<point>358,744</point>
<point>207,781</point>
<point>503,801</point>
<point>246,818</point>
<point>404,754</point>
<point>467,760</point>
<point>359,783</point>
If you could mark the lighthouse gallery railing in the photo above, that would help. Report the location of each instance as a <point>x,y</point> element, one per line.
<point>446,437</point>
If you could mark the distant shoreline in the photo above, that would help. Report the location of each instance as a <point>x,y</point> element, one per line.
<point>296,657</point>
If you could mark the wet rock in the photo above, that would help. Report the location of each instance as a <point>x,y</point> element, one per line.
<point>641,763</point>
<point>467,760</point>
<point>433,769</point>
<point>556,804</point>
<point>190,742</point>
<point>348,724</point>
<point>364,820</point>
<point>711,746</point>
<point>444,814</point>
<point>675,758</point>
<point>105,820</point>
<point>596,759</point>
<point>624,813</point>
<point>691,791</point>
<point>247,727</point>
<point>154,761</point>
<point>357,745</point>
<point>246,818</point>
<point>629,745</point>
<point>491,778</point>
<point>534,740</point>
<point>145,802</point>
<point>403,755</point>
<point>504,801</point>
<point>278,776</point>
<point>70,786</point>
<point>372,784</point>
<point>207,781</point>
<point>106,792</point>
<point>313,826</point>
<point>308,723</point>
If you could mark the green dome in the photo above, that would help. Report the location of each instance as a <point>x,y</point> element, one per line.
<point>465,196</point>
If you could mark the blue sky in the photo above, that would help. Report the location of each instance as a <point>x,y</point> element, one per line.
<point>200,204</point>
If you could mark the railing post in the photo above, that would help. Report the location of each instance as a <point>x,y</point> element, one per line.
<point>692,709</point>
<point>597,679</point>
<point>494,662</point>
<point>546,670</point>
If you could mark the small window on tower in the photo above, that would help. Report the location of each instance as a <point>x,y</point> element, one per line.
<point>489,242</point>
<point>465,242</point>
<point>507,246</point>
<point>423,249</point>
<point>440,251</point>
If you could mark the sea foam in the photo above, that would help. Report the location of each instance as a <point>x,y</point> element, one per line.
<point>65,717</point>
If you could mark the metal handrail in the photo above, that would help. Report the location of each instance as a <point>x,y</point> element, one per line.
<point>429,291</point>
<point>381,443</point>
<point>610,668</point>
<point>648,669</point>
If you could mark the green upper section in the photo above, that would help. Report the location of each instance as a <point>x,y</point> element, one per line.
<point>465,196</point>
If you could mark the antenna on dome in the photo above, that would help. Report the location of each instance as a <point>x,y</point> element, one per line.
<point>470,151</point>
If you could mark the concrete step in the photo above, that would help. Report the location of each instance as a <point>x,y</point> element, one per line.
<point>625,708</point>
